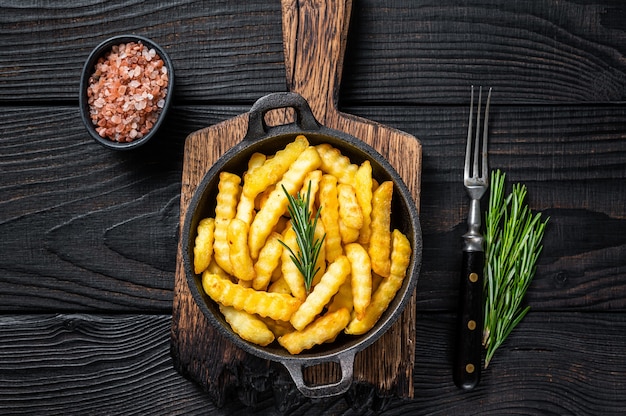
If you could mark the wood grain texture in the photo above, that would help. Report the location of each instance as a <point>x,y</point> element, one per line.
<point>77,364</point>
<point>547,51</point>
<point>88,231</point>
<point>55,179</point>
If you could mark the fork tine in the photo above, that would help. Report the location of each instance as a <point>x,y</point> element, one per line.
<point>468,145</point>
<point>485,173</point>
<point>477,136</point>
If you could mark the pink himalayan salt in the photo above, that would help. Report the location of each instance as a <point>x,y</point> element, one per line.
<point>126,92</point>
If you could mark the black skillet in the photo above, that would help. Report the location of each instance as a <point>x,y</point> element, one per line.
<point>267,140</point>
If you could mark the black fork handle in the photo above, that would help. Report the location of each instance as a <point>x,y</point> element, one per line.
<point>468,354</point>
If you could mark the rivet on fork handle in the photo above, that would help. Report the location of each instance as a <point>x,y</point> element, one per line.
<point>468,355</point>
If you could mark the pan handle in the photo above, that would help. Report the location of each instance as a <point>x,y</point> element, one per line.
<point>257,126</point>
<point>346,362</point>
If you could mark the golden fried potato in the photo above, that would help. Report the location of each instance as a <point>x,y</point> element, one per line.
<point>336,164</point>
<point>245,208</point>
<point>278,328</point>
<point>251,275</point>
<point>361,277</point>
<point>364,188</point>
<point>247,326</point>
<point>312,182</point>
<point>214,268</point>
<point>348,234</point>
<point>389,286</point>
<point>321,330</point>
<point>274,305</point>
<point>280,286</point>
<point>322,293</point>
<point>256,160</point>
<point>268,261</point>
<point>225,210</point>
<point>203,245</point>
<point>267,218</point>
<point>380,240</point>
<point>259,178</point>
<point>349,209</point>
<point>343,298</point>
<point>329,216</point>
<point>242,265</point>
<point>262,198</point>
<point>291,274</point>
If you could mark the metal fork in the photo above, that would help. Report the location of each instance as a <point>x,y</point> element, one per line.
<point>468,358</point>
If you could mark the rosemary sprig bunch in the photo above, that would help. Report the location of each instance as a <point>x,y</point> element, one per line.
<point>304,224</point>
<point>512,245</point>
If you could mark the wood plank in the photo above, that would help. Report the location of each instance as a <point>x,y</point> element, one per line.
<point>76,364</point>
<point>224,51</point>
<point>55,179</point>
<point>409,52</point>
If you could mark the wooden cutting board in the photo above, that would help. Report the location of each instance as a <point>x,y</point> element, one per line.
<point>314,34</point>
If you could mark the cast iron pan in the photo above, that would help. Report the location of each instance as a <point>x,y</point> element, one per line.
<point>268,140</point>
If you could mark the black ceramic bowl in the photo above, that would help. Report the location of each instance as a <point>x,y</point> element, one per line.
<point>88,70</point>
<point>261,138</point>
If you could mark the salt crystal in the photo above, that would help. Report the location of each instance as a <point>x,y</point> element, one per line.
<point>127,112</point>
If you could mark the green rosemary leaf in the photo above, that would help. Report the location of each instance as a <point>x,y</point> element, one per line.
<point>304,224</point>
<point>513,238</point>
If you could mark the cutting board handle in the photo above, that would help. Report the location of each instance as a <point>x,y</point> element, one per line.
<point>314,41</point>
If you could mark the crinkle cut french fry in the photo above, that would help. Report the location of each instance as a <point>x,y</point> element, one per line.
<point>268,261</point>
<point>321,330</point>
<point>261,199</point>
<point>364,188</point>
<point>312,181</point>
<point>389,286</point>
<point>380,239</point>
<point>259,178</point>
<point>276,205</point>
<point>349,208</point>
<point>214,268</point>
<point>243,267</point>
<point>329,216</point>
<point>203,245</point>
<point>278,328</point>
<point>348,234</point>
<point>274,305</point>
<point>279,286</point>
<point>361,277</point>
<point>322,293</point>
<point>245,207</point>
<point>291,274</point>
<point>244,283</point>
<point>336,164</point>
<point>256,160</point>
<point>343,298</point>
<point>247,326</point>
<point>225,210</point>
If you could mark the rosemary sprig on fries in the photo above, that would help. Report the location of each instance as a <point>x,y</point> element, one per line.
<point>304,223</point>
<point>512,245</point>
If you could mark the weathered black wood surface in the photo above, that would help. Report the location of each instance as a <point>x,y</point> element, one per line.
<point>88,245</point>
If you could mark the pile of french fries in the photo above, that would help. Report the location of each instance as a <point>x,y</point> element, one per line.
<point>249,273</point>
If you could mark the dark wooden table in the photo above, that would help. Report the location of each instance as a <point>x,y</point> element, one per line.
<point>89,235</point>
